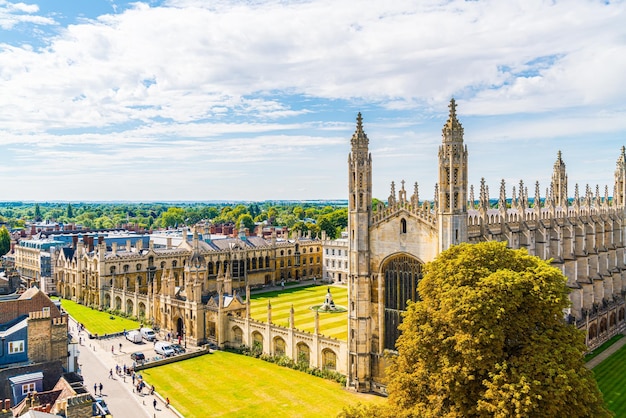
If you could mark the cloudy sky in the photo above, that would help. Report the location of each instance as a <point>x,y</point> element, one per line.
<point>255,100</point>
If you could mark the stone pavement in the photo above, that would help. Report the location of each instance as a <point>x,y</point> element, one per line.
<point>606,353</point>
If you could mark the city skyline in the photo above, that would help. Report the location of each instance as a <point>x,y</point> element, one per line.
<point>189,100</point>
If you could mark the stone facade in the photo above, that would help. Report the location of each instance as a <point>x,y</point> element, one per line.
<point>389,244</point>
<point>170,287</point>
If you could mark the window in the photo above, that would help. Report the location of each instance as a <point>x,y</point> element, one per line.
<point>333,251</point>
<point>16,347</point>
<point>403,226</point>
<point>326,251</point>
<point>138,267</point>
<point>27,388</point>
<point>46,310</point>
<point>126,268</point>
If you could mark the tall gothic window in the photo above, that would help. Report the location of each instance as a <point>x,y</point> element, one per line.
<point>401,274</point>
<point>403,226</point>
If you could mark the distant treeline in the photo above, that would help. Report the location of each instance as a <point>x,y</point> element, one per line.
<point>314,216</point>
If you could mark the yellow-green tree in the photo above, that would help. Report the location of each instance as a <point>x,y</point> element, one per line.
<point>488,339</point>
<point>5,240</point>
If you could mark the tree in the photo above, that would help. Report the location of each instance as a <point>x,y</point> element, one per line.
<point>5,240</point>
<point>172,217</point>
<point>488,338</point>
<point>37,213</point>
<point>245,221</point>
<point>70,212</point>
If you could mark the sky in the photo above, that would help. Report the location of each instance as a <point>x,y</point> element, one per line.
<point>257,100</point>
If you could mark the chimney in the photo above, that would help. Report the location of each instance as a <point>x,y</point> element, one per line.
<point>100,239</point>
<point>128,245</point>
<point>7,404</point>
<point>90,241</point>
<point>74,241</point>
<point>169,242</point>
<point>114,248</point>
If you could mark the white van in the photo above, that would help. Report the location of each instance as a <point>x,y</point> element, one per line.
<point>148,334</point>
<point>164,348</point>
<point>134,336</point>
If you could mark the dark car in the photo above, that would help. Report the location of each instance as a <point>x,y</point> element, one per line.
<point>178,349</point>
<point>138,357</point>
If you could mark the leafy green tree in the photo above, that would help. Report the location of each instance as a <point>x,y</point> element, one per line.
<point>245,221</point>
<point>70,212</point>
<point>5,240</point>
<point>488,339</point>
<point>37,213</point>
<point>326,224</point>
<point>172,217</point>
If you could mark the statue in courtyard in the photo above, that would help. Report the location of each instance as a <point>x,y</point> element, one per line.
<point>329,304</point>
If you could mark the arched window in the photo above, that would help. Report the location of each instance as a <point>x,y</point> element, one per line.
<point>279,346</point>
<point>329,359</point>
<point>403,226</point>
<point>401,274</point>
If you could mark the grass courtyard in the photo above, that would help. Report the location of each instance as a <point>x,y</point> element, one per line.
<point>302,298</point>
<point>611,377</point>
<point>224,384</point>
<point>97,322</point>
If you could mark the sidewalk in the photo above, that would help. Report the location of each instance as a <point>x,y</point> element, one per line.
<point>606,353</point>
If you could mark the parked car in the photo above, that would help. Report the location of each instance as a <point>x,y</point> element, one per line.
<point>178,349</point>
<point>138,357</point>
<point>134,336</point>
<point>148,334</point>
<point>164,348</point>
<point>99,408</point>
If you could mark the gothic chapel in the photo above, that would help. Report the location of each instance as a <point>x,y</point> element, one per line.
<point>583,236</point>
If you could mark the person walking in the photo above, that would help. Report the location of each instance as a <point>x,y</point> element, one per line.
<point>100,389</point>
<point>120,347</point>
<point>111,374</point>
<point>95,388</point>
<point>154,402</point>
<point>167,402</point>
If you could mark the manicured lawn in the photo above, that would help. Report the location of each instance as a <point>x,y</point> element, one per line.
<point>330,324</point>
<point>225,384</point>
<point>97,322</point>
<point>603,347</point>
<point>611,377</point>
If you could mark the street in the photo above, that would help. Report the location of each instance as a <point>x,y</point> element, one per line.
<point>96,361</point>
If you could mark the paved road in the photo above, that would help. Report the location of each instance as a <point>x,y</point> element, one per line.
<point>96,362</point>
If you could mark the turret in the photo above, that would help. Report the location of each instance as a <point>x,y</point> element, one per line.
<point>559,183</point>
<point>452,202</point>
<point>359,290</point>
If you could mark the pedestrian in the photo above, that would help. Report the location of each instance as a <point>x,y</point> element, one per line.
<point>111,374</point>
<point>167,402</point>
<point>100,389</point>
<point>282,284</point>
<point>112,349</point>
<point>154,402</point>
<point>120,347</point>
<point>133,378</point>
<point>95,388</point>
<point>152,390</point>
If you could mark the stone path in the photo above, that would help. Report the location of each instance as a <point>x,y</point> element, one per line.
<point>606,353</point>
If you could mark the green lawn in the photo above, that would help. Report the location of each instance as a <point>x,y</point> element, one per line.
<point>97,322</point>
<point>302,298</point>
<point>225,384</point>
<point>603,347</point>
<point>611,377</point>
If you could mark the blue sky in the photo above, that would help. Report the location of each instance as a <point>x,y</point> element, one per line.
<point>256,100</point>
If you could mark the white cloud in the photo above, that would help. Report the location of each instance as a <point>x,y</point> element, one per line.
<point>249,81</point>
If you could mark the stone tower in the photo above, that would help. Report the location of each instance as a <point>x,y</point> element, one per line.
<point>452,198</point>
<point>359,290</point>
<point>559,183</point>
<point>619,195</point>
